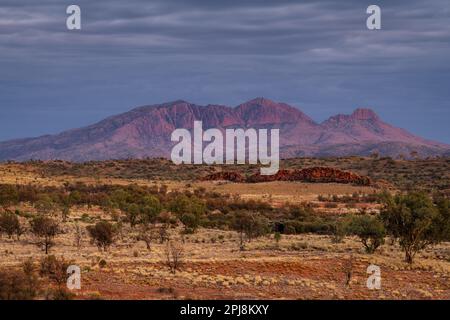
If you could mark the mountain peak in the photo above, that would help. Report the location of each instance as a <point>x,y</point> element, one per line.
<point>146,132</point>
<point>264,111</point>
<point>260,101</point>
<point>364,114</point>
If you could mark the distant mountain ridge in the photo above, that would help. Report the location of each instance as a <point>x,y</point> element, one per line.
<point>145,132</point>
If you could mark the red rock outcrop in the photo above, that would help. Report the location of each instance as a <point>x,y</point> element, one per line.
<point>315,174</point>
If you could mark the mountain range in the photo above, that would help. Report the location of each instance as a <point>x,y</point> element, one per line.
<point>145,132</point>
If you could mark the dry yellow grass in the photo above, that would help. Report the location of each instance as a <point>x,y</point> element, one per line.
<point>299,267</point>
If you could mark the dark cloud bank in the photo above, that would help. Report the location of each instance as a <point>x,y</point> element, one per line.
<point>316,55</point>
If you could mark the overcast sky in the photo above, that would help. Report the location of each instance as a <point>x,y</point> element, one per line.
<point>316,55</point>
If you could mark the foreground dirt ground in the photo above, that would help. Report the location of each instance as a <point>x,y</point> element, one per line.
<point>299,267</point>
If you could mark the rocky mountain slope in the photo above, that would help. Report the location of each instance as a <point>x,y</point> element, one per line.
<point>145,132</point>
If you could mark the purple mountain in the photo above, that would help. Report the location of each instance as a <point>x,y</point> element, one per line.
<point>145,132</point>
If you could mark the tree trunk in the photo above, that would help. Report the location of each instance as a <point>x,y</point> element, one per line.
<point>241,241</point>
<point>409,256</point>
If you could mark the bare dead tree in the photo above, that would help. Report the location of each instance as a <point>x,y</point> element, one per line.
<point>79,235</point>
<point>163,233</point>
<point>174,255</point>
<point>348,269</point>
<point>146,234</point>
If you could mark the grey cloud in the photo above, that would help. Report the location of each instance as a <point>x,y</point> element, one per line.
<point>316,54</point>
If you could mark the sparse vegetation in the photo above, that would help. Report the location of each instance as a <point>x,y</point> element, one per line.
<point>283,230</point>
<point>415,221</point>
<point>45,229</point>
<point>174,252</point>
<point>10,224</point>
<point>102,234</point>
<point>369,229</point>
<point>249,225</point>
<point>54,269</point>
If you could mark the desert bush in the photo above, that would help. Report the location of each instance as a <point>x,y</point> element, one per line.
<point>277,238</point>
<point>65,212</point>
<point>443,223</point>
<point>369,229</point>
<point>163,232</point>
<point>339,230</point>
<point>301,212</point>
<point>190,221</point>
<point>59,294</point>
<point>249,225</point>
<point>45,229</point>
<point>19,284</point>
<point>147,234</point>
<point>78,236</point>
<point>10,224</point>
<point>315,225</point>
<point>415,221</point>
<point>45,205</point>
<point>102,234</point>
<point>189,210</point>
<point>132,213</point>
<point>174,252</point>
<point>150,209</point>
<point>9,195</point>
<point>54,269</point>
<point>13,286</point>
<point>32,281</point>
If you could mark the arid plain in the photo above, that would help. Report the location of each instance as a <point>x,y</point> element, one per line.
<point>213,263</point>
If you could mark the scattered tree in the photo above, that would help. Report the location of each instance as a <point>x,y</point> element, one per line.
<point>65,212</point>
<point>190,221</point>
<point>45,229</point>
<point>369,229</point>
<point>102,234</point>
<point>146,234</point>
<point>54,269</point>
<point>150,209</point>
<point>189,210</point>
<point>249,225</point>
<point>174,255</point>
<point>45,205</point>
<point>17,285</point>
<point>415,221</point>
<point>132,213</point>
<point>10,224</point>
<point>163,233</point>
<point>338,231</point>
<point>79,235</point>
<point>31,279</point>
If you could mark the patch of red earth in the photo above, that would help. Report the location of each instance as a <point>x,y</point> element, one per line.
<point>326,275</point>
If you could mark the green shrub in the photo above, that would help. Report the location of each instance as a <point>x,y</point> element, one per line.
<point>10,224</point>
<point>369,229</point>
<point>103,234</point>
<point>54,269</point>
<point>45,229</point>
<point>415,221</point>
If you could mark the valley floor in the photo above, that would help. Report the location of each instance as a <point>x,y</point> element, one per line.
<point>299,267</point>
